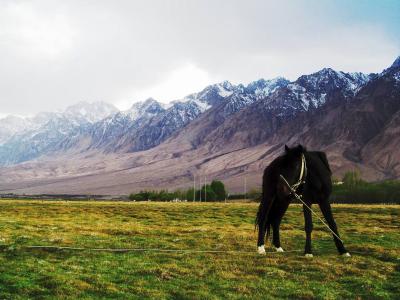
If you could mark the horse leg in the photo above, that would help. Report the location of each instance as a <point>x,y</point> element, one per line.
<point>327,212</point>
<point>308,227</point>
<point>276,237</point>
<point>261,238</point>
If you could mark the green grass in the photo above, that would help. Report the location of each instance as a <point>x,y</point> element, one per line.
<point>371,233</point>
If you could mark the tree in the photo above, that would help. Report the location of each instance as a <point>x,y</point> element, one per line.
<point>254,194</point>
<point>352,179</point>
<point>219,189</point>
<point>141,196</point>
<point>190,195</point>
<point>206,193</point>
<point>179,194</point>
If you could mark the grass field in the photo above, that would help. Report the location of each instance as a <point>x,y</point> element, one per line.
<point>371,233</point>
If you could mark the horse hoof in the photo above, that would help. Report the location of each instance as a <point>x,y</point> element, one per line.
<point>261,250</point>
<point>347,254</point>
<point>279,249</point>
<point>309,255</point>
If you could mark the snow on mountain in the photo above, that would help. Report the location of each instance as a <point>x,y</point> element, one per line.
<point>245,95</point>
<point>210,95</point>
<point>263,88</point>
<point>153,131</point>
<point>396,63</point>
<point>145,109</point>
<point>147,124</point>
<point>166,119</point>
<point>48,138</point>
<point>42,118</point>
<point>83,112</point>
<point>314,90</point>
<point>396,76</point>
<point>11,125</point>
<point>108,132</point>
<point>14,125</point>
<point>393,70</point>
<point>232,97</point>
<point>80,113</point>
<point>328,79</point>
<point>51,131</point>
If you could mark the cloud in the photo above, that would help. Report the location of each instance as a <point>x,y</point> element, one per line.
<point>55,53</point>
<point>179,83</point>
<point>32,34</point>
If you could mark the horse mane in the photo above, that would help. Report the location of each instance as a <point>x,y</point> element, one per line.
<point>324,159</point>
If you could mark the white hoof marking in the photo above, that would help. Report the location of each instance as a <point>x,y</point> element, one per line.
<point>309,255</point>
<point>279,249</point>
<point>261,250</point>
<point>347,254</point>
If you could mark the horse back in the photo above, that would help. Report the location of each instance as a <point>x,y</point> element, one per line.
<point>324,159</point>
<point>319,171</point>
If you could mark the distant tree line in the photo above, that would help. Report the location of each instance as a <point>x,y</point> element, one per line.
<point>211,192</point>
<point>353,189</point>
<point>350,189</point>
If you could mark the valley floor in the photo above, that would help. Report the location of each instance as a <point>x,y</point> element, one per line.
<point>371,233</point>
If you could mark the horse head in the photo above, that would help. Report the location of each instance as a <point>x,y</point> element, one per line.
<point>293,167</point>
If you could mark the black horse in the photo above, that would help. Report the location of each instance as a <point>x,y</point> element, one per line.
<point>308,173</point>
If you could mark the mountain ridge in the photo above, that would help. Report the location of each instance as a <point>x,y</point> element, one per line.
<point>235,136</point>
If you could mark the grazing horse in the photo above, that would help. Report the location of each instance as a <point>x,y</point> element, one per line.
<point>309,175</point>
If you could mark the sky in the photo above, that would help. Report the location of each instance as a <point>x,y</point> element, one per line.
<point>56,53</point>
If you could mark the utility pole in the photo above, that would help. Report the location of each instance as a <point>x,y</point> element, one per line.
<point>200,186</point>
<point>194,188</point>
<point>205,189</point>
<point>245,188</point>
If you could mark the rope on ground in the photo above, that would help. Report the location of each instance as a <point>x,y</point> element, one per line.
<point>147,250</point>
<point>161,250</point>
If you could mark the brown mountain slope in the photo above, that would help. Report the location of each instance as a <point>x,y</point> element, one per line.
<point>362,133</point>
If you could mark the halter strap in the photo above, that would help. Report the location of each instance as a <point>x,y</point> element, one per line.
<point>303,173</point>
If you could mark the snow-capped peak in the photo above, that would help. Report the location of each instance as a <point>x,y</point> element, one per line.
<point>89,112</point>
<point>209,96</point>
<point>11,125</point>
<point>328,79</point>
<point>262,88</point>
<point>393,67</point>
<point>313,90</point>
<point>396,68</point>
<point>396,63</point>
<point>225,89</point>
<point>147,108</point>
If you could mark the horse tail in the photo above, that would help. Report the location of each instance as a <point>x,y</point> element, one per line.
<point>262,221</point>
<point>260,215</point>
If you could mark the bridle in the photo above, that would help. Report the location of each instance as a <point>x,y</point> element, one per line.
<point>302,175</point>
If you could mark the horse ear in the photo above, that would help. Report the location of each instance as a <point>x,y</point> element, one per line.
<point>302,148</point>
<point>286,148</point>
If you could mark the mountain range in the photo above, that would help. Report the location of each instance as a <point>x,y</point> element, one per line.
<point>226,131</point>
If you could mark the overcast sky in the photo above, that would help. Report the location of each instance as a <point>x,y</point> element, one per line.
<point>56,53</point>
